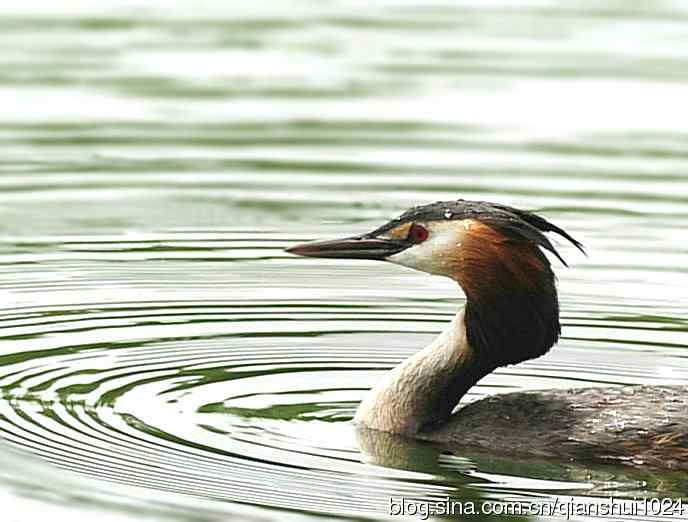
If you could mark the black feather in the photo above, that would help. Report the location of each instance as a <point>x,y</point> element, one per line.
<point>512,222</point>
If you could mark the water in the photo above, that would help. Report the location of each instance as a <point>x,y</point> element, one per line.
<point>158,343</point>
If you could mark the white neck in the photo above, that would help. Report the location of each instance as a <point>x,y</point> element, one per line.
<point>423,390</point>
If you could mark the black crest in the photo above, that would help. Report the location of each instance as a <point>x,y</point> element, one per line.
<point>510,221</point>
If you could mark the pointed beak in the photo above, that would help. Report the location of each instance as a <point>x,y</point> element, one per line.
<point>359,247</point>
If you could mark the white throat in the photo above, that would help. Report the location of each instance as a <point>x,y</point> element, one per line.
<point>423,389</point>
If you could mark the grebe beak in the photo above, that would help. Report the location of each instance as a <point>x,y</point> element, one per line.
<point>358,247</point>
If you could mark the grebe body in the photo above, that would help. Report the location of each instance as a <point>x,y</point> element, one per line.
<point>495,253</point>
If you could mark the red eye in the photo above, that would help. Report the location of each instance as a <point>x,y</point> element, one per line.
<point>418,233</point>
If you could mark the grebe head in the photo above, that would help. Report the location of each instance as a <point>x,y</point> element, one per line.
<point>495,254</point>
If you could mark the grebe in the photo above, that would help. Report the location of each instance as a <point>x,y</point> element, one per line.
<point>495,254</point>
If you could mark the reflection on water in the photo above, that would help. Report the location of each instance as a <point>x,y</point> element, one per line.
<point>157,342</point>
